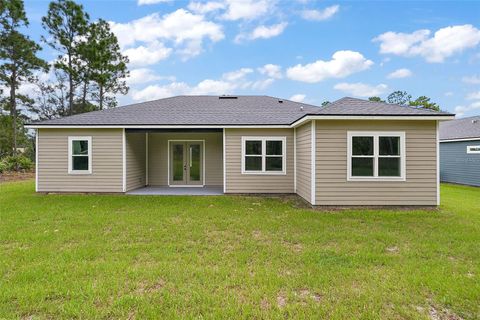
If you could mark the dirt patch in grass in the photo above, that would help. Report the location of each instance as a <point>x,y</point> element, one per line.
<point>16,176</point>
<point>439,313</point>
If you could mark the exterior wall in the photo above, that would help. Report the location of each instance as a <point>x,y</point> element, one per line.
<point>236,182</point>
<point>107,165</point>
<point>158,156</point>
<point>332,187</point>
<point>135,150</point>
<point>303,145</point>
<point>458,166</point>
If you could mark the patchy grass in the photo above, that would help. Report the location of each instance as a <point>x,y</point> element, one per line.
<point>106,256</point>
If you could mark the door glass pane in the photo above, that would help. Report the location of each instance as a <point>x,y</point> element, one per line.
<point>362,167</point>
<point>80,147</point>
<point>177,162</point>
<point>195,162</point>
<point>274,148</point>
<point>253,147</point>
<point>389,146</point>
<point>253,163</point>
<point>362,146</point>
<point>389,167</point>
<point>274,163</point>
<point>80,163</point>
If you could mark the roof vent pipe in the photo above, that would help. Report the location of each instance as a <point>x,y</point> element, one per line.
<point>474,121</point>
<point>301,108</point>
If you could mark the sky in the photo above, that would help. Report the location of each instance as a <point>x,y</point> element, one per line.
<point>304,50</point>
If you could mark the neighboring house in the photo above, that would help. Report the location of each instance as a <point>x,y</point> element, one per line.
<point>350,152</point>
<point>460,151</point>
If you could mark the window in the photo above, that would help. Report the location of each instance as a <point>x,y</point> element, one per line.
<point>473,149</point>
<point>79,155</point>
<point>263,155</point>
<point>376,156</point>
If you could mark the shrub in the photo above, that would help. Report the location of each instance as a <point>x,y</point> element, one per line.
<point>11,163</point>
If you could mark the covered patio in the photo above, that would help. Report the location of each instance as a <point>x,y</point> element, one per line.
<point>174,161</point>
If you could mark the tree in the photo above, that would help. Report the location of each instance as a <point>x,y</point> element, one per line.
<point>66,23</point>
<point>376,99</point>
<point>424,102</point>
<point>18,54</point>
<point>106,66</point>
<point>399,97</point>
<point>51,97</point>
<point>325,103</point>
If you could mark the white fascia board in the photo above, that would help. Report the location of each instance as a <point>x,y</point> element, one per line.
<point>153,126</point>
<point>293,125</point>
<point>462,139</point>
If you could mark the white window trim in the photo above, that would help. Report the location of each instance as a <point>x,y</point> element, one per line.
<point>473,151</point>
<point>264,139</point>
<point>70,154</point>
<point>376,135</point>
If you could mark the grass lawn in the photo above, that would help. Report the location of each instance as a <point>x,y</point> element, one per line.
<point>106,256</point>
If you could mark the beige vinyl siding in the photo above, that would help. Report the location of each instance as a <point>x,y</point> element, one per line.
<point>158,156</point>
<point>332,187</point>
<point>304,159</point>
<point>236,182</point>
<point>135,149</point>
<point>107,165</point>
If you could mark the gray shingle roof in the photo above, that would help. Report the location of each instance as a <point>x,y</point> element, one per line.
<point>353,106</point>
<point>215,110</point>
<point>460,128</point>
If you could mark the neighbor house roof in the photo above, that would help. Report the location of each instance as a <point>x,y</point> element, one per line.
<point>464,128</point>
<point>229,111</point>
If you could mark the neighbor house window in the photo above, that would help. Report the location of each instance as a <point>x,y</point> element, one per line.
<point>79,155</point>
<point>376,156</point>
<point>473,149</point>
<point>264,155</point>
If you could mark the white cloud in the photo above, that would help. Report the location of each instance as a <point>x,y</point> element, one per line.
<point>205,7</point>
<point>143,2</point>
<point>271,70</point>
<point>473,96</point>
<point>461,110</point>
<point>448,94</point>
<point>361,89</point>
<point>342,64</point>
<point>145,75</point>
<point>298,97</point>
<point>229,82</point>
<point>444,43</point>
<point>262,84</point>
<point>237,74</point>
<point>320,15</point>
<point>400,73</point>
<point>151,54</point>
<point>262,32</point>
<point>247,9</point>
<point>471,79</point>
<point>185,30</point>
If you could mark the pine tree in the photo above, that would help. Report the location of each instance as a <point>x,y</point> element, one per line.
<point>67,24</point>
<point>107,67</point>
<point>18,54</point>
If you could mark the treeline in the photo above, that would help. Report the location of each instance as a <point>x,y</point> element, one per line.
<point>87,74</point>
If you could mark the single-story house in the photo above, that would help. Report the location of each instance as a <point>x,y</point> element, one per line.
<point>349,152</point>
<point>460,151</point>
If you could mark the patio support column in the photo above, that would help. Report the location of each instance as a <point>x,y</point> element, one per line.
<point>124,161</point>
<point>146,158</point>
<point>312,166</point>
<point>224,165</point>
